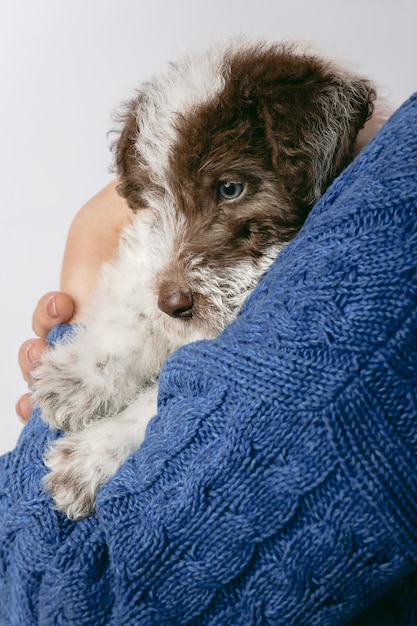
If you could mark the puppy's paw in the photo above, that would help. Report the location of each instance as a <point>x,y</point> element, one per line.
<point>78,469</point>
<point>70,398</point>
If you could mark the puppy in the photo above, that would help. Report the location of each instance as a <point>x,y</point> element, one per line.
<point>221,157</point>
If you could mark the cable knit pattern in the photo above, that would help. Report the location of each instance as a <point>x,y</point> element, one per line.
<point>278,483</point>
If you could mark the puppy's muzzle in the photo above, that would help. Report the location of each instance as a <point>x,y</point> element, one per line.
<point>175,301</point>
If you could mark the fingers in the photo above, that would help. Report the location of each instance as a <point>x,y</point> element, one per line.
<point>53,308</point>
<point>30,353</point>
<point>24,408</point>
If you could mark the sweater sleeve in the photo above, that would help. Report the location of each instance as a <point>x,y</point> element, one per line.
<point>277,484</point>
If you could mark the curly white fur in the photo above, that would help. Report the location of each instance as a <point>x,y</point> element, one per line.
<point>101,385</point>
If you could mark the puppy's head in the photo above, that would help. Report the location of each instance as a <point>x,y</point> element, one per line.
<point>230,149</point>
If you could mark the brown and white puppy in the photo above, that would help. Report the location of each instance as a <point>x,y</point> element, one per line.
<point>221,156</point>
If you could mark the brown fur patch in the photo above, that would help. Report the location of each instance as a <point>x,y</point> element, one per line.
<point>285,125</point>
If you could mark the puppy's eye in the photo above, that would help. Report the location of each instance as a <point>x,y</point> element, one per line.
<point>230,191</point>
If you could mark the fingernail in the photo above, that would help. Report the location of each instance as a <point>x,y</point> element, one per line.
<point>51,307</point>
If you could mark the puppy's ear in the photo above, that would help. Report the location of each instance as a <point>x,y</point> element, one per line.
<point>127,165</point>
<point>312,127</point>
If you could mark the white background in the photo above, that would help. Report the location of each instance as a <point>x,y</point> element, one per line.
<point>64,68</point>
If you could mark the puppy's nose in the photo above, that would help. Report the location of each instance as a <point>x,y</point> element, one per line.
<point>176,302</point>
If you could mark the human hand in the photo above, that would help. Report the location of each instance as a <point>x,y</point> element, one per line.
<point>52,309</point>
<point>92,239</point>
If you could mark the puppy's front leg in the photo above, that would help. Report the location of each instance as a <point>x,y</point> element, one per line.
<point>118,353</point>
<point>94,375</point>
<point>81,462</point>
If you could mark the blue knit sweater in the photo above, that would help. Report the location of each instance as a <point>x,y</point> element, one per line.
<point>278,483</point>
